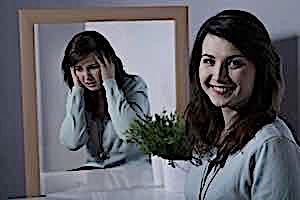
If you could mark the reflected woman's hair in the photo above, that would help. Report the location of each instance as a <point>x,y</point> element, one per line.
<point>81,45</point>
<point>84,43</point>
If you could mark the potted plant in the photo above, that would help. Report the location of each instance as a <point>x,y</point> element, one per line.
<point>162,135</point>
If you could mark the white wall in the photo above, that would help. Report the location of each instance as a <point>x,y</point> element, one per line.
<point>52,41</point>
<point>146,48</point>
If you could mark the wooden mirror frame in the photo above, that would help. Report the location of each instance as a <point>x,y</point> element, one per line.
<point>29,17</point>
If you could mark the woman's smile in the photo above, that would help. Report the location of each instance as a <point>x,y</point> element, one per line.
<point>221,89</point>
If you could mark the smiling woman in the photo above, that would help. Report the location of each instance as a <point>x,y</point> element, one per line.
<point>238,137</point>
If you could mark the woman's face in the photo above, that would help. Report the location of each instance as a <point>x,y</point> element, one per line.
<point>225,74</point>
<point>89,73</point>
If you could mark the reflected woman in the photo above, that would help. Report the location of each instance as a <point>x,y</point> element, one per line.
<point>244,149</point>
<point>103,100</point>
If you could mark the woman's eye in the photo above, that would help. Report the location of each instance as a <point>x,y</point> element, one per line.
<point>78,68</point>
<point>94,66</point>
<point>233,64</point>
<point>208,61</point>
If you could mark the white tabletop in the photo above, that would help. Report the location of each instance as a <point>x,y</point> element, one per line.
<point>150,193</point>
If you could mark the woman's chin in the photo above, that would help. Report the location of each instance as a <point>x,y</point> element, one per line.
<point>218,102</point>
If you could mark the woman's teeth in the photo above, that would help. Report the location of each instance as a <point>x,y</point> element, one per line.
<point>221,89</point>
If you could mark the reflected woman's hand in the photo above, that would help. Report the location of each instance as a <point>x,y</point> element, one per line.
<point>107,68</point>
<point>75,78</point>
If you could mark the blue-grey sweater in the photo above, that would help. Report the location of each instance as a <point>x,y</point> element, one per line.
<point>267,168</point>
<point>124,105</point>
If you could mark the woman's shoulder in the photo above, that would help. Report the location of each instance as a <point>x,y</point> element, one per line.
<point>277,129</point>
<point>270,134</point>
<point>134,82</point>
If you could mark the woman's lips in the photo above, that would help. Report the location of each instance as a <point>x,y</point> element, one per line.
<point>221,90</point>
<point>91,83</point>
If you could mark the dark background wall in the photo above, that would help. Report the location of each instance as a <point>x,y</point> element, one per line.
<point>288,50</point>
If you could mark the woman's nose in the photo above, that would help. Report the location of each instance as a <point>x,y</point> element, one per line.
<point>87,74</point>
<point>220,72</point>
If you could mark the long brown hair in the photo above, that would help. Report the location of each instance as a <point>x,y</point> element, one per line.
<point>79,47</point>
<point>205,121</point>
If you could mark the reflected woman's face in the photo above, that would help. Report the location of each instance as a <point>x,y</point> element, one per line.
<point>89,73</point>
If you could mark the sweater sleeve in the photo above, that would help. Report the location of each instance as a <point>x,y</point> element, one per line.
<point>276,173</point>
<point>73,131</point>
<point>125,107</point>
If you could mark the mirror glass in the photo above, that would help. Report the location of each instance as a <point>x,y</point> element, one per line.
<point>146,48</point>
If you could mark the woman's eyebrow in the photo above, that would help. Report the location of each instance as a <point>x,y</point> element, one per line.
<point>235,56</point>
<point>208,55</point>
<point>93,65</point>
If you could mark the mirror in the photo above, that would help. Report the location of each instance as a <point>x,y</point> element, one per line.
<point>152,59</point>
<point>31,68</point>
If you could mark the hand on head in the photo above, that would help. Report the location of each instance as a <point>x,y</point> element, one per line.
<point>76,81</point>
<point>107,67</point>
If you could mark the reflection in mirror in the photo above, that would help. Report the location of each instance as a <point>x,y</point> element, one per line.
<point>146,49</point>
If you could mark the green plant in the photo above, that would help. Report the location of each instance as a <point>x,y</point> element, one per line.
<point>162,135</point>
